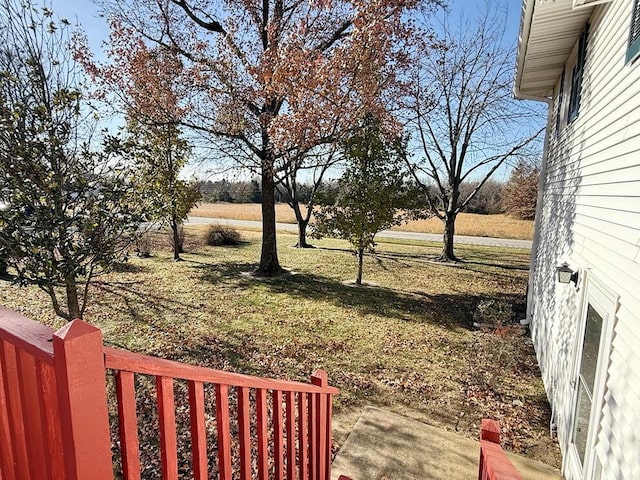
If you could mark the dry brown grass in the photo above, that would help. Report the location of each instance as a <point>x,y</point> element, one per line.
<point>242,211</point>
<point>406,346</point>
<point>497,226</point>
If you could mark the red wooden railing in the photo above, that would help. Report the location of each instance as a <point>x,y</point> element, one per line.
<point>494,463</point>
<point>54,420</point>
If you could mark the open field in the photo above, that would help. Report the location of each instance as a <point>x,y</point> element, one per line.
<point>497,226</point>
<point>406,345</point>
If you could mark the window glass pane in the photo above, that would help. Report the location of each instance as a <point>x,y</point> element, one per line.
<point>590,348</point>
<point>581,424</point>
<point>576,77</point>
<point>559,104</point>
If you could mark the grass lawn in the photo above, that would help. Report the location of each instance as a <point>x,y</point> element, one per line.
<point>497,226</point>
<point>406,345</point>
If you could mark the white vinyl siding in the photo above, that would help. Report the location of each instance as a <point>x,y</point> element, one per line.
<point>590,217</point>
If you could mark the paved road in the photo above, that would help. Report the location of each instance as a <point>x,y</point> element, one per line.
<point>430,237</point>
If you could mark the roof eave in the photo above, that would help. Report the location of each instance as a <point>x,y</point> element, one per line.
<point>548,32</point>
<point>523,40</point>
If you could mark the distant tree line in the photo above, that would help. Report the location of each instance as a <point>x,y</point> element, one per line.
<point>239,191</point>
<point>515,197</point>
<point>248,191</point>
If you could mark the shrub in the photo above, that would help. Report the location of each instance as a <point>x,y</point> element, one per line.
<point>218,235</point>
<point>144,245</point>
<point>521,192</point>
<point>488,199</point>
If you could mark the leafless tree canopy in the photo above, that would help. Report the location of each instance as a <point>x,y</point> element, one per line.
<point>464,117</point>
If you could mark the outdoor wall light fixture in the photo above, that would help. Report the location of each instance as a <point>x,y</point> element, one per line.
<point>566,274</point>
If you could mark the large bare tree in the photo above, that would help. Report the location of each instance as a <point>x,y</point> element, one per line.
<point>464,117</point>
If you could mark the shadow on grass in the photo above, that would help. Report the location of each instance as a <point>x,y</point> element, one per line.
<point>504,261</point>
<point>447,310</point>
<point>138,301</point>
<point>521,268</point>
<point>235,246</point>
<point>226,271</point>
<point>127,267</point>
<point>335,249</point>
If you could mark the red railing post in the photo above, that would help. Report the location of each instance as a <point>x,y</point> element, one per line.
<point>490,431</point>
<point>323,428</point>
<point>494,464</point>
<point>82,398</point>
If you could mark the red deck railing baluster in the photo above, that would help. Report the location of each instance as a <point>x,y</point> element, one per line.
<point>244,430</point>
<point>291,435</point>
<point>128,425</point>
<point>263,434</point>
<point>31,414</point>
<point>7,466</point>
<point>198,431</point>
<point>278,451</point>
<point>313,436</point>
<point>224,435</point>
<point>167,420</point>
<point>51,419</point>
<point>302,436</point>
<point>14,406</point>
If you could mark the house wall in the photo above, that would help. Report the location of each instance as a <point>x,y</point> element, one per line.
<point>590,218</point>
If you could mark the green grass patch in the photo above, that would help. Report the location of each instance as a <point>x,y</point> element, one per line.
<point>406,345</point>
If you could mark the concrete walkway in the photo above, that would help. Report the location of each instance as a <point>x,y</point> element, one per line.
<point>429,237</point>
<point>386,446</point>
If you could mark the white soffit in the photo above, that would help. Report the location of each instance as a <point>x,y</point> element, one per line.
<point>548,31</point>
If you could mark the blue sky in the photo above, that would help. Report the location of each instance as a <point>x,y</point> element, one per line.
<point>86,12</point>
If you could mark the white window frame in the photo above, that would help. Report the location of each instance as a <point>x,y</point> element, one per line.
<point>606,303</point>
<point>633,44</point>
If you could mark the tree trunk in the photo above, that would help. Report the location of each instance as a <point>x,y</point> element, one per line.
<point>360,259</point>
<point>302,223</point>
<point>302,234</point>
<point>449,231</point>
<point>73,305</point>
<point>176,239</point>
<point>269,265</point>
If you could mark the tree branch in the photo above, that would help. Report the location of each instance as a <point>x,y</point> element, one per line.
<point>211,26</point>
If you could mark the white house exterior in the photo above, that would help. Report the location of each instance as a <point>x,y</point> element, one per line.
<point>583,59</point>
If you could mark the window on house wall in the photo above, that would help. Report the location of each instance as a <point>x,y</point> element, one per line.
<point>577,73</point>
<point>559,105</point>
<point>633,51</point>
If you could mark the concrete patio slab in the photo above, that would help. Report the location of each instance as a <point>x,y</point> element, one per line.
<point>387,446</point>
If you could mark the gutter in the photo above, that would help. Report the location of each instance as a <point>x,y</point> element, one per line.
<point>541,185</point>
<point>523,41</point>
